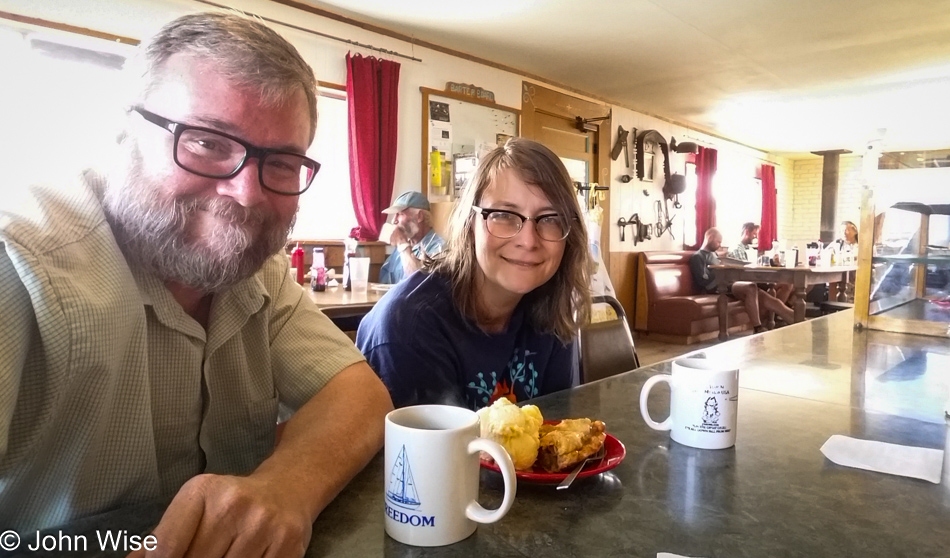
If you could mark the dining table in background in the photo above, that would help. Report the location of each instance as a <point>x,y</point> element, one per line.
<point>337,296</point>
<point>772,495</point>
<point>346,309</point>
<point>801,277</point>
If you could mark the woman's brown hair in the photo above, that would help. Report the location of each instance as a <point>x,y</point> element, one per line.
<point>560,305</point>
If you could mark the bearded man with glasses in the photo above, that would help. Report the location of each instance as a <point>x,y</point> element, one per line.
<point>496,313</point>
<point>151,330</point>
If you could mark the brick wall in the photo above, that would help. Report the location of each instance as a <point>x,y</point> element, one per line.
<point>800,220</point>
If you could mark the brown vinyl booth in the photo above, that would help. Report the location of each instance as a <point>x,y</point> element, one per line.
<point>668,307</point>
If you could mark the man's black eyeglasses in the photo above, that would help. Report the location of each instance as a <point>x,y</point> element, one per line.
<point>502,223</point>
<point>214,154</point>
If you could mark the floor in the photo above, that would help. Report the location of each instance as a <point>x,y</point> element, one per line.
<point>651,351</point>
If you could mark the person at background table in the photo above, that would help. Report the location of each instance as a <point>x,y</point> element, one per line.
<point>151,330</point>
<point>753,298</point>
<point>849,237</point>
<point>750,232</point>
<point>497,312</point>
<point>413,238</point>
<point>744,252</point>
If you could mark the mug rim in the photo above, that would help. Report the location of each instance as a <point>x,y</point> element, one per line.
<point>461,417</point>
<point>704,365</point>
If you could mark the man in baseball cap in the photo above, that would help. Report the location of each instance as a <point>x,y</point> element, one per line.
<point>412,237</point>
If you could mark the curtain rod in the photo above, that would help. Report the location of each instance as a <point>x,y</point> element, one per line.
<point>706,143</point>
<point>318,33</point>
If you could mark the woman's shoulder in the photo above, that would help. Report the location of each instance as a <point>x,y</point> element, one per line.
<point>413,300</point>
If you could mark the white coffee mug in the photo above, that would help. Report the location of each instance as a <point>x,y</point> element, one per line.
<point>431,475</point>
<point>704,398</point>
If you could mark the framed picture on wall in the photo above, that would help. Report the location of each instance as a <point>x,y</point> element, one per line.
<point>439,111</point>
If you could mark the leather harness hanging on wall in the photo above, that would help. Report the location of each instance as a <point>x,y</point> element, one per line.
<point>654,135</point>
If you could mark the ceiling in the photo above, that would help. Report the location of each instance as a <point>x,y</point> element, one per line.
<point>786,76</point>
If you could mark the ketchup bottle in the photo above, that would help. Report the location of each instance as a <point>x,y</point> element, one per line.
<point>296,260</point>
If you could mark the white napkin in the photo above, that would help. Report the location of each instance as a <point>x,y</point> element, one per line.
<point>893,459</point>
<point>669,555</point>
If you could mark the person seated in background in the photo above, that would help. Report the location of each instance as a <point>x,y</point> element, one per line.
<point>413,238</point>
<point>497,312</point>
<point>752,297</point>
<point>744,252</point>
<point>847,252</point>
<point>150,332</point>
<point>750,232</point>
<point>849,237</point>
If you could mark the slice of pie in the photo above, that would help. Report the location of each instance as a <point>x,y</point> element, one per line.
<point>566,444</point>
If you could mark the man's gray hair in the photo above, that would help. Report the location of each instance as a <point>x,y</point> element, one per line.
<point>247,52</point>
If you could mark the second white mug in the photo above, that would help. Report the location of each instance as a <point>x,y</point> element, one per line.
<point>704,400</point>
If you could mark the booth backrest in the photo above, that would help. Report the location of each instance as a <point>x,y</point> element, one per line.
<point>660,274</point>
<point>667,273</point>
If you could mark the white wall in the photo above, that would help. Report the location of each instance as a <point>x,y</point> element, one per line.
<point>804,222</point>
<point>628,198</point>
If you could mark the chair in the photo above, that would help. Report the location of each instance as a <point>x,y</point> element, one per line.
<point>607,348</point>
<point>347,317</point>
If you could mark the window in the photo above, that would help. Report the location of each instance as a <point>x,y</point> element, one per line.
<point>688,211</point>
<point>67,90</point>
<point>738,199</point>
<point>326,209</point>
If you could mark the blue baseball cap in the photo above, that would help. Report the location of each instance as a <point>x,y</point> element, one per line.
<point>406,200</point>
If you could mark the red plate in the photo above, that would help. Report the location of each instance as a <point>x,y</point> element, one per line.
<point>614,452</point>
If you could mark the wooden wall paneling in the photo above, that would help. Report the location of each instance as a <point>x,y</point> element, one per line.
<point>623,272</point>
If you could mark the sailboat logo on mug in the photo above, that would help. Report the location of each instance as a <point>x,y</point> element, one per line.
<point>402,493</point>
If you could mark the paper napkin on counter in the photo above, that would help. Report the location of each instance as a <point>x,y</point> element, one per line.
<point>893,459</point>
<point>669,555</point>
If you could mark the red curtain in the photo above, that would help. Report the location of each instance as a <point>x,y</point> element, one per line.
<point>768,230</point>
<point>372,87</point>
<point>705,203</point>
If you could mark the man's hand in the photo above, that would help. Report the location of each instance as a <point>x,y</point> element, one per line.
<point>398,237</point>
<point>224,516</point>
<point>270,513</point>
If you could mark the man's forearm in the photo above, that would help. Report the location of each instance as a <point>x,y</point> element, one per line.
<point>330,439</point>
<point>410,263</point>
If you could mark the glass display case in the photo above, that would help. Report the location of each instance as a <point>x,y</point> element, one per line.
<point>903,280</point>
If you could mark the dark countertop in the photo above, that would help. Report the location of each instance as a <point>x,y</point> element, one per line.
<point>774,494</point>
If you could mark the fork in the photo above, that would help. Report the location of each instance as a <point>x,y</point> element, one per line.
<point>566,483</point>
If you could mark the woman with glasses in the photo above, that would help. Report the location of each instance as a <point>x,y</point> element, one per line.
<point>496,313</point>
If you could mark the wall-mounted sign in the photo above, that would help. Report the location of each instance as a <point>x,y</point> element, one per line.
<point>470,90</point>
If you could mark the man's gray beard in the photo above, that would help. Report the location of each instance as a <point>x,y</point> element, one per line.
<point>151,229</point>
<point>410,229</point>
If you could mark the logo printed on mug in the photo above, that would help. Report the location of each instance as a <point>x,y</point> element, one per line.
<point>402,493</point>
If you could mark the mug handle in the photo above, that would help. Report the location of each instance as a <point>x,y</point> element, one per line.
<point>645,393</point>
<point>475,511</point>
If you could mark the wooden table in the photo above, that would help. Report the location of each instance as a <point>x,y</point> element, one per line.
<point>801,277</point>
<point>336,296</point>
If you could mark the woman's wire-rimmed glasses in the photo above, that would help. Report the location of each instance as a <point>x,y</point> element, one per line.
<point>502,223</point>
<point>213,154</point>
